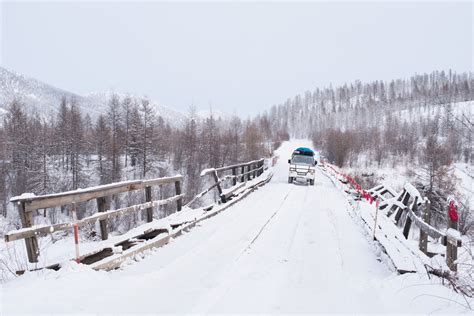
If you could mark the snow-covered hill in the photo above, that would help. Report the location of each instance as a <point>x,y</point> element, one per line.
<point>44,99</point>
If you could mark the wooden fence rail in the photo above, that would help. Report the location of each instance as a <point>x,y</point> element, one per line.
<point>240,172</point>
<point>411,209</point>
<point>27,204</point>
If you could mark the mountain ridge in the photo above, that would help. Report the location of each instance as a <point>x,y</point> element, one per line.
<point>45,99</point>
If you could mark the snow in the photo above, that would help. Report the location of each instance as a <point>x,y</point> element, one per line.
<point>285,248</point>
<point>206,171</point>
<point>23,196</point>
<point>453,234</point>
<point>414,193</point>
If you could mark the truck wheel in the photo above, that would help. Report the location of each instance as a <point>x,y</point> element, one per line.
<point>311,182</point>
<point>290,179</point>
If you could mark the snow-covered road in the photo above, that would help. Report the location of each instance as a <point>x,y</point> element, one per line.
<point>285,248</point>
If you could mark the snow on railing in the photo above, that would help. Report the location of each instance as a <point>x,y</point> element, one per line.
<point>417,213</point>
<point>240,172</point>
<point>28,203</point>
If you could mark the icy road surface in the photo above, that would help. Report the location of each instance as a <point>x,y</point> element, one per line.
<point>285,248</point>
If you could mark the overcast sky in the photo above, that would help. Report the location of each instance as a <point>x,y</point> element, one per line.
<point>239,57</point>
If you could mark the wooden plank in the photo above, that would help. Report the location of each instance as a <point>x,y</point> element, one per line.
<point>161,181</point>
<point>31,243</point>
<point>451,249</point>
<point>238,165</point>
<point>406,197</point>
<point>179,202</point>
<point>48,229</point>
<point>218,183</point>
<point>230,192</point>
<point>149,210</point>
<point>102,207</point>
<point>406,228</point>
<point>234,173</point>
<point>51,200</point>
<point>423,241</point>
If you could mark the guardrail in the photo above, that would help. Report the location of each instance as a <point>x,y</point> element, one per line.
<point>418,213</point>
<point>240,173</point>
<point>27,204</point>
<point>405,209</point>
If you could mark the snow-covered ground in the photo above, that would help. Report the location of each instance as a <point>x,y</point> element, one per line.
<point>285,248</point>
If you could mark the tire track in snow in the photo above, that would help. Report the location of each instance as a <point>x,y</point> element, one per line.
<point>247,249</point>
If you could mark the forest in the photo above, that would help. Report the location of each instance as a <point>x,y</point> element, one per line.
<point>373,124</point>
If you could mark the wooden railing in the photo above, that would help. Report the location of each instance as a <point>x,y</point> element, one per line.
<point>28,204</point>
<point>228,186</point>
<point>403,209</point>
<point>239,173</point>
<point>408,208</point>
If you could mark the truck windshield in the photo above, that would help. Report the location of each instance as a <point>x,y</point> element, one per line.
<point>307,160</point>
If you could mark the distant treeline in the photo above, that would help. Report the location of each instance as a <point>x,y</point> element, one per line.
<point>384,121</point>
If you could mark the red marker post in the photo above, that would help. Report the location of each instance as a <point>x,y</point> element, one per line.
<point>76,233</point>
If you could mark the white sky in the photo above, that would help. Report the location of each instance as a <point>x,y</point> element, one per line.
<point>239,57</point>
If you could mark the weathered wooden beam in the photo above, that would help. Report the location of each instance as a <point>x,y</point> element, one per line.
<point>51,200</point>
<point>451,247</point>
<point>218,184</point>
<point>179,202</point>
<point>406,228</point>
<point>31,243</point>
<point>149,210</point>
<point>161,181</point>
<point>102,207</point>
<point>423,242</point>
<point>427,228</point>
<point>48,229</point>
<point>405,200</point>
<point>238,165</point>
<point>234,173</point>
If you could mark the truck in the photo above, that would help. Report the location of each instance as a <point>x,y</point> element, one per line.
<point>302,166</point>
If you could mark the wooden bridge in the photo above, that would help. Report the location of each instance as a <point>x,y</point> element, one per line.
<point>398,213</point>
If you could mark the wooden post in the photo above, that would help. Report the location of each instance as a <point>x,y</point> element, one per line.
<point>393,208</point>
<point>179,203</point>
<point>406,229</point>
<point>149,210</point>
<point>451,249</point>
<point>234,173</point>
<point>218,185</point>
<point>423,243</point>
<point>102,207</point>
<point>242,171</point>
<point>248,173</point>
<point>405,199</point>
<point>254,167</point>
<point>31,243</point>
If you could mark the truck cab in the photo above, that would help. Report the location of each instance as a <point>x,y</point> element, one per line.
<point>302,166</point>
